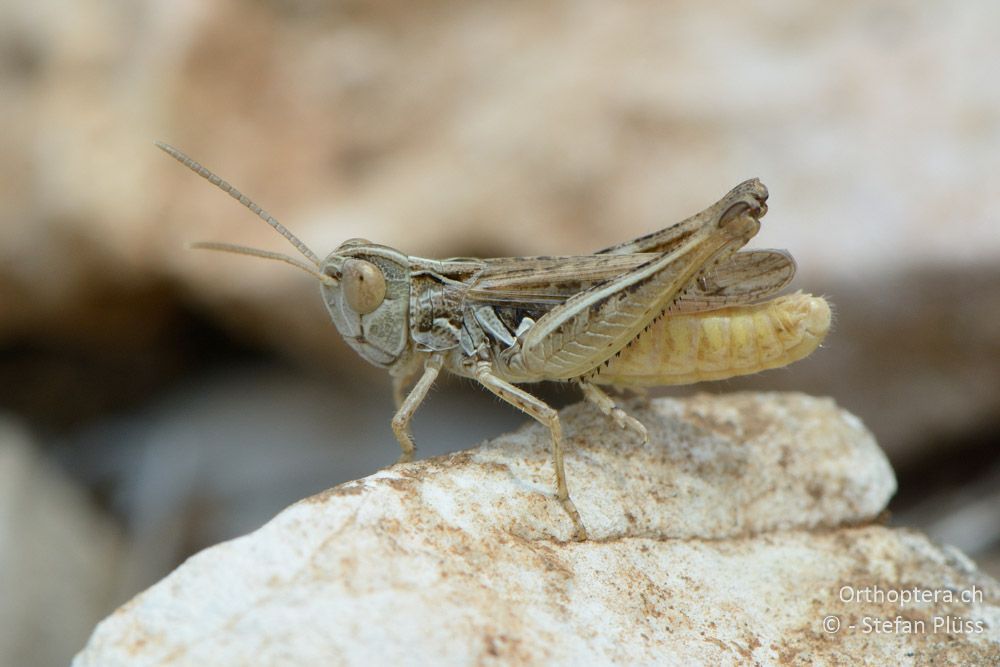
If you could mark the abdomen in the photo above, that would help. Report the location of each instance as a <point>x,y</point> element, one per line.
<point>717,344</point>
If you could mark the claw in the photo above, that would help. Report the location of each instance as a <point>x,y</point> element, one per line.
<point>579,530</point>
<point>630,424</point>
<point>608,407</point>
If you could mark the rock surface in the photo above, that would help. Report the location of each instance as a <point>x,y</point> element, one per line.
<point>735,535</point>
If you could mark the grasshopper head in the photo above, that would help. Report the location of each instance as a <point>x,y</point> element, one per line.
<point>367,293</point>
<point>365,286</point>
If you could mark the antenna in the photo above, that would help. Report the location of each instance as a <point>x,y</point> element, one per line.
<point>243,199</point>
<point>266,254</point>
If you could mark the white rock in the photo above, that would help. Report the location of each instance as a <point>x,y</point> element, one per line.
<point>728,539</point>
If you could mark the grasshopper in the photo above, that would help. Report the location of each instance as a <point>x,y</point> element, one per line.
<point>676,306</point>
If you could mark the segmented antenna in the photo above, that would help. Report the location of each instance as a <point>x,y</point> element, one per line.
<point>266,254</point>
<point>241,198</point>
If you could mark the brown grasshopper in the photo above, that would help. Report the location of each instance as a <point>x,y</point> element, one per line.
<point>676,306</point>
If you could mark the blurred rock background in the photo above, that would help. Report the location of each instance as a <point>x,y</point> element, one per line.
<point>176,398</point>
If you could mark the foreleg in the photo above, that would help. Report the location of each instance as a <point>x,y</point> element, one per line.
<point>401,420</point>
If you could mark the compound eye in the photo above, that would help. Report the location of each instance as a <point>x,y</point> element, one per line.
<point>363,285</point>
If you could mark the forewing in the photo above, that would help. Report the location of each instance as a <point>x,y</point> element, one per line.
<point>746,277</point>
<point>548,281</point>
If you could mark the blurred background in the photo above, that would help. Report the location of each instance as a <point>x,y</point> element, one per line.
<point>156,400</point>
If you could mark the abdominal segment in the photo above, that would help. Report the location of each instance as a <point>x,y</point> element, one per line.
<point>717,344</point>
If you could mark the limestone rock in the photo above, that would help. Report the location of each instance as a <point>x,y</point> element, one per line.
<point>735,535</point>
